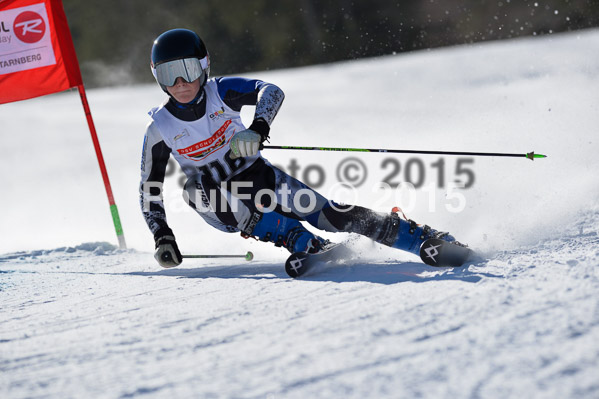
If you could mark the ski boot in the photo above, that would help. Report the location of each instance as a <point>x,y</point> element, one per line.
<point>283,231</point>
<point>409,236</point>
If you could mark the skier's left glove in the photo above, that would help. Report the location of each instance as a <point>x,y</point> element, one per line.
<point>247,143</point>
<point>167,252</point>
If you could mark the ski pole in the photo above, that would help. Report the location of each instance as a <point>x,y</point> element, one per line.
<point>166,256</point>
<point>530,155</point>
<point>248,256</point>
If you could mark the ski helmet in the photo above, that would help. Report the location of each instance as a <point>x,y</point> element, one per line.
<point>179,53</point>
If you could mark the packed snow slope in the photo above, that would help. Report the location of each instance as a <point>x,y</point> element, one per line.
<point>80,318</point>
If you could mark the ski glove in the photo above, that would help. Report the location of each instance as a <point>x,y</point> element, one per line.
<point>248,142</point>
<point>167,252</point>
<point>245,144</point>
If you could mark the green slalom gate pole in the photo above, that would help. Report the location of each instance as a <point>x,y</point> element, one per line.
<point>530,155</point>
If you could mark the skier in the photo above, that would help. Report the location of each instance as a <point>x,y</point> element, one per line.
<point>229,183</point>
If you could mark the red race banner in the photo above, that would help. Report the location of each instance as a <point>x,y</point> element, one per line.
<point>37,56</point>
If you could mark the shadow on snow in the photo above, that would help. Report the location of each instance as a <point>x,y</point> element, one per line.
<point>379,273</point>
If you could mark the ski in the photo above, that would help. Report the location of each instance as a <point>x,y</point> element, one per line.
<point>299,263</point>
<point>439,253</point>
<point>433,252</point>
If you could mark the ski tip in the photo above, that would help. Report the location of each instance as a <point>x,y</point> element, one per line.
<point>295,266</point>
<point>439,253</point>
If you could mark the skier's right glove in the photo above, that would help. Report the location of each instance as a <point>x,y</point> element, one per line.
<point>167,252</point>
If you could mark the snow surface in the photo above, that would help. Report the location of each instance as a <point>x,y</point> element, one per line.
<point>88,320</point>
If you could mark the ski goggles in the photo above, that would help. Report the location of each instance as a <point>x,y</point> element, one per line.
<point>189,69</point>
